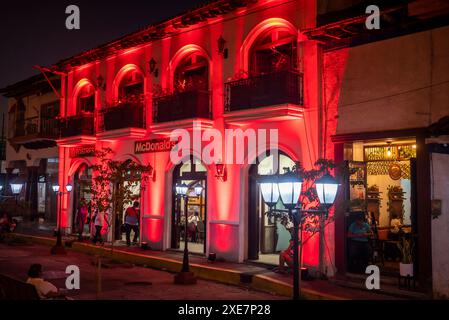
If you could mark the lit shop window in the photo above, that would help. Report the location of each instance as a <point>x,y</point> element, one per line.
<point>270,166</point>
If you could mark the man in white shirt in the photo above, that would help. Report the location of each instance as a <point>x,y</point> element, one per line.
<point>194,218</point>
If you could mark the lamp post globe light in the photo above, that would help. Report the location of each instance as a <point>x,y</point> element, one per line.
<point>287,187</point>
<point>185,276</point>
<point>290,185</point>
<point>58,248</point>
<point>16,188</point>
<point>270,190</point>
<point>326,188</point>
<point>198,189</point>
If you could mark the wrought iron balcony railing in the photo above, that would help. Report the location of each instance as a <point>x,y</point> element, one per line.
<point>182,106</point>
<point>36,126</point>
<point>122,116</point>
<point>264,90</point>
<point>80,125</point>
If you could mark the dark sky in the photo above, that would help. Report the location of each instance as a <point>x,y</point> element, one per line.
<point>33,32</point>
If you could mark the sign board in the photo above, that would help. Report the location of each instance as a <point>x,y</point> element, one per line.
<point>85,151</point>
<point>153,145</point>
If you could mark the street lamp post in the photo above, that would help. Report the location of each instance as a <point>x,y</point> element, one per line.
<point>287,187</point>
<point>185,276</point>
<point>58,248</point>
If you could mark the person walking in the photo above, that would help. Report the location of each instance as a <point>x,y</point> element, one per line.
<point>98,223</point>
<point>81,217</point>
<point>132,223</point>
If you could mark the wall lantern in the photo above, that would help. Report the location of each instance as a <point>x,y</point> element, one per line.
<point>1,188</point>
<point>153,70</point>
<point>326,188</point>
<point>221,43</point>
<point>100,82</point>
<point>221,172</point>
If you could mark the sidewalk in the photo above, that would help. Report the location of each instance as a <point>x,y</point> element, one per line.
<point>239,274</point>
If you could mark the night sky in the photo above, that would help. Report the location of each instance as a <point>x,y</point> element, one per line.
<point>34,33</point>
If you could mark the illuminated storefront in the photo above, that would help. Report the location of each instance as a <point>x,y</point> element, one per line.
<point>252,81</point>
<point>257,66</point>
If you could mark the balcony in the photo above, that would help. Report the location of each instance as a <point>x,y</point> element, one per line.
<point>124,121</point>
<point>270,97</point>
<point>35,133</point>
<point>179,109</point>
<point>76,130</point>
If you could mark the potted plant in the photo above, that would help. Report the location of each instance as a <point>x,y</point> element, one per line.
<point>406,264</point>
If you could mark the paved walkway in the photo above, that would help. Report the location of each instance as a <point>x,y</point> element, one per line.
<point>118,282</point>
<point>241,274</point>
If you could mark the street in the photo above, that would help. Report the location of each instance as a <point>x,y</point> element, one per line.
<point>119,281</point>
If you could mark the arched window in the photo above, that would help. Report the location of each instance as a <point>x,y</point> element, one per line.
<point>131,88</point>
<point>192,73</point>
<point>274,50</point>
<point>85,101</point>
<point>272,165</point>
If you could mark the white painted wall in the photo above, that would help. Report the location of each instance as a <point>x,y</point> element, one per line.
<point>440,226</point>
<point>394,84</point>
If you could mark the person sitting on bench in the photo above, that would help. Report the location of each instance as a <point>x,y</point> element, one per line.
<point>44,289</point>
<point>285,257</point>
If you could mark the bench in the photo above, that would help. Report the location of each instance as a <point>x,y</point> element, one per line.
<point>13,289</point>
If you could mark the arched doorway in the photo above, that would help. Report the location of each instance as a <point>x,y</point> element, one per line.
<point>82,182</point>
<point>191,173</point>
<point>266,236</point>
<point>126,190</point>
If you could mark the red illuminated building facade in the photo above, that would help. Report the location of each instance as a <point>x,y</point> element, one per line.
<point>330,87</point>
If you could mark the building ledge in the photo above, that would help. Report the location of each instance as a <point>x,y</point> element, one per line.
<point>122,134</point>
<point>165,128</point>
<point>76,141</point>
<point>280,112</point>
<point>34,141</point>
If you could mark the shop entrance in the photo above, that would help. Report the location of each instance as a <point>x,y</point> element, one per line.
<point>381,194</point>
<point>191,173</point>
<point>82,182</point>
<point>126,190</point>
<point>267,237</point>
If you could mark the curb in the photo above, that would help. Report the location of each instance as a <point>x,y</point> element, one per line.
<point>221,275</point>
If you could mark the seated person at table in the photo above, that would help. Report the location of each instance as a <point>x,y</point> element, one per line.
<point>359,233</point>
